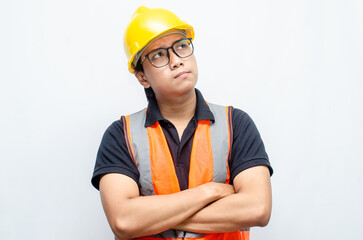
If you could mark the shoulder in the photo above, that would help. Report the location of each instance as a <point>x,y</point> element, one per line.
<point>114,131</point>
<point>248,149</point>
<point>113,155</point>
<point>239,116</point>
<point>116,127</point>
<point>242,122</point>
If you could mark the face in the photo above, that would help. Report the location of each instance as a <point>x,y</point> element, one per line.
<point>175,79</point>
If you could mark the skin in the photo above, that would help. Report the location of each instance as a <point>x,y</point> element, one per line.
<point>166,81</point>
<point>173,84</point>
<point>209,208</point>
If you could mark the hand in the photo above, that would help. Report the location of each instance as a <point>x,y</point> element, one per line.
<point>218,190</point>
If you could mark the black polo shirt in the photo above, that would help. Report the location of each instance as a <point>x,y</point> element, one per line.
<point>247,148</point>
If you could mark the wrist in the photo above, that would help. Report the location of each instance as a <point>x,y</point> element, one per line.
<point>212,191</point>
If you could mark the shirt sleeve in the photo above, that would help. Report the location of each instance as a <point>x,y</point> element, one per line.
<point>113,155</point>
<point>248,149</point>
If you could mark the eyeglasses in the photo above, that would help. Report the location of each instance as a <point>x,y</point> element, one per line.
<point>160,57</point>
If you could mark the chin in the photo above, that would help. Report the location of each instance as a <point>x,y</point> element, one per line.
<point>185,89</point>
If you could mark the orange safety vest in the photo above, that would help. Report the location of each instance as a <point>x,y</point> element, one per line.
<point>208,162</point>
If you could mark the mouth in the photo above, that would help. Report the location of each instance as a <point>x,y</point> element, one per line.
<point>182,74</point>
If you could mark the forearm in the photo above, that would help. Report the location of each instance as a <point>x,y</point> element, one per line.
<point>231,213</point>
<point>250,206</point>
<point>131,215</point>
<point>147,215</point>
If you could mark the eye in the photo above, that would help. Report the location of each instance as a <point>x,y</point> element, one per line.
<point>157,54</point>
<point>182,44</point>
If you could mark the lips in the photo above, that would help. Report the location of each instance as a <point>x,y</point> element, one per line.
<point>181,74</point>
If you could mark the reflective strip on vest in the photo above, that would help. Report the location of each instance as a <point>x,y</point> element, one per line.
<point>140,148</point>
<point>208,162</point>
<point>221,145</point>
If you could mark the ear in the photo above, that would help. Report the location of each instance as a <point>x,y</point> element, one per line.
<point>142,79</point>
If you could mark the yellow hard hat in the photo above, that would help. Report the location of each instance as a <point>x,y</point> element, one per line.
<point>145,25</point>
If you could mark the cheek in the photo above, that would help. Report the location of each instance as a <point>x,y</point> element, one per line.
<point>194,65</point>
<point>157,78</point>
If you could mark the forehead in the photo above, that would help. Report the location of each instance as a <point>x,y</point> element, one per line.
<point>163,42</point>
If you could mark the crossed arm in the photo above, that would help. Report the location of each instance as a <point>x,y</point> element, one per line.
<point>209,208</point>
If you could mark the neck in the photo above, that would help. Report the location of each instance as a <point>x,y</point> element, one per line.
<point>178,109</point>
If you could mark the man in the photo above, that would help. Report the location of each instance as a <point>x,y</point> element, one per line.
<point>182,168</point>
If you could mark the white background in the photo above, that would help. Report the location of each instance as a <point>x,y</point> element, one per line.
<point>295,66</point>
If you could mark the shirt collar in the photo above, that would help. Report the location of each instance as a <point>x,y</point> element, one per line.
<point>202,111</point>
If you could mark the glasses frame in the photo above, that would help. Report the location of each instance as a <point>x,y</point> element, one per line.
<point>167,52</point>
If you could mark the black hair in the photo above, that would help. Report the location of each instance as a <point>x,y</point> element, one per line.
<point>138,67</point>
<point>149,92</point>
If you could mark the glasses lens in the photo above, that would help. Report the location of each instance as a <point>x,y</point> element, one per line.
<point>183,48</point>
<point>159,57</point>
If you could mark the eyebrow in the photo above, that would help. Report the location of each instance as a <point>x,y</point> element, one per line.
<point>163,47</point>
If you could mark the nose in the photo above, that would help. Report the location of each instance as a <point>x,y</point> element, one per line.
<point>175,61</point>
